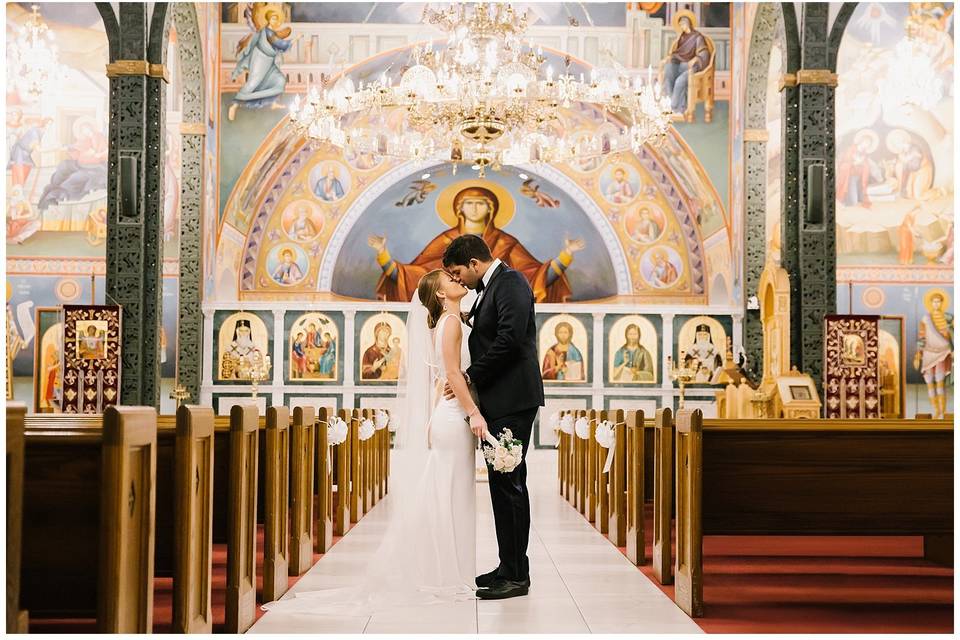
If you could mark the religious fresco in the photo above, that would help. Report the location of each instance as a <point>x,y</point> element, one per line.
<point>381,343</point>
<point>632,349</point>
<point>243,342</point>
<point>56,134</point>
<point>400,238</point>
<point>671,198</point>
<point>564,347</point>
<point>313,346</point>
<point>208,21</point>
<point>895,136</point>
<point>701,345</point>
<point>48,354</point>
<point>892,372</point>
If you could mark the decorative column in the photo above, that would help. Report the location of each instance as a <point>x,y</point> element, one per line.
<point>349,356</point>
<point>598,373</point>
<point>279,345</point>
<point>135,194</point>
<point>809,225</point>
<point>206,398</point>
<point>667,331</point>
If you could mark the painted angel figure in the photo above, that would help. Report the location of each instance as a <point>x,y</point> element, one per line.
<point>257,54</point>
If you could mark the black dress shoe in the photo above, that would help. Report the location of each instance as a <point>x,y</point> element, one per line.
<point>502,589</point>
<point>487,579</point>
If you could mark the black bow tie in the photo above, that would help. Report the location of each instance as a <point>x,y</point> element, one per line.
<point>480,286</point>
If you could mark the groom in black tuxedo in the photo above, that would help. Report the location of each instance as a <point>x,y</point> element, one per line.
<point>505,372</point>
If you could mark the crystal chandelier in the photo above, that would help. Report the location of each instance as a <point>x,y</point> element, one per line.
<point>482,97</point>
<point>32,57</point>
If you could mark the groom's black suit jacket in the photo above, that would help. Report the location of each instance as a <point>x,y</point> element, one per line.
<point>503,347</point>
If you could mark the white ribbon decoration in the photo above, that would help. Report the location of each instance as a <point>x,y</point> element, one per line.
<point>582,428</point>
<point>337,431</point>
<point>606,437</point>
<point>367,429</point>
<point>383,419</point>
<point>555,425</point>
<point>566,424</point>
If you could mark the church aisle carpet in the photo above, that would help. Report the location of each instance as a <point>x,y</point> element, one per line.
<point>581,583</point>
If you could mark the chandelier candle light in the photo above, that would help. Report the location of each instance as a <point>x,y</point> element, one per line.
<point>32,57</point>
<point>482,97</point>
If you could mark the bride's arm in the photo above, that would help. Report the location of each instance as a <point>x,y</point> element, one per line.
<point>452,336</point>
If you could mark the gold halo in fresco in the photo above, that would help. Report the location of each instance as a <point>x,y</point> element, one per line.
<point>505,204</point>
<point>683,13</point>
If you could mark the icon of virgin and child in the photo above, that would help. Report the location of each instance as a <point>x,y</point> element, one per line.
<point>479,207</point>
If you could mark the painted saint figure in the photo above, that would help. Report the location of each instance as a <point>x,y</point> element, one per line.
<point>704,356</point>
<point>476,209</point>
<point>241,355</point>
<point>288,271</point>
<point>299,355</point>
<point>563,361</point>
<point>328,356</point>
<point>619,191</point>
<point>329,188</point>
<point>257,55</point>
<point>21,161</point>
<point>632,362</point>
<point>688,54</point>
<point>934,356</point>
<point>664,273</point>
<point>92,345</point>
<point>374,362</point>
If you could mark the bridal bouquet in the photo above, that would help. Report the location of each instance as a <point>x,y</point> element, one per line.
<point>504,454</point>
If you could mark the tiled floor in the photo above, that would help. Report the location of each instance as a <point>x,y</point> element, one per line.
<point>581,582</point>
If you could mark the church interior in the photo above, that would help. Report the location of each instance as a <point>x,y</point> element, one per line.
<point>737,222</point>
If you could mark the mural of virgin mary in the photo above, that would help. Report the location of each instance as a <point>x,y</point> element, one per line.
<point>477,208</point>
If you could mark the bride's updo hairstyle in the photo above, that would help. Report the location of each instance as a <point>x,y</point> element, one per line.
<point>427,292</point>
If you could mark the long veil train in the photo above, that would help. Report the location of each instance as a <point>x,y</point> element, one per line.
<point>411,564</point>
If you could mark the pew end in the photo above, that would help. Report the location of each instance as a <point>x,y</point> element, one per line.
<point>193,514</point>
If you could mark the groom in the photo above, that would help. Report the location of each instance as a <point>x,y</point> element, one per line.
<point>505,372</point>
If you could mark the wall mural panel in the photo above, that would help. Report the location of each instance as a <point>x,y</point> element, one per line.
<point>895,175</point>
<point>632,349</point>
<point>313,351</point>
<point>564,346</point>
<point>700,344</point>
<point>380,345</point>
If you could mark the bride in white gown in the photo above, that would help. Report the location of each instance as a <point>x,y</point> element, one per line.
<point>428,552</point>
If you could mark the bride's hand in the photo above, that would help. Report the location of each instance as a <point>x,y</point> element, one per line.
<point>448,391</point>
<point>478,425</point>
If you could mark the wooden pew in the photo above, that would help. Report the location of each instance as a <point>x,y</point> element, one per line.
<point>17,620</point>
<point>600,480</point>
<point>663,480</point>
<point>812,477</point>
<point>342,461</point>
<point>193,515</point>
<point>635,487</point>
<point>276,529</point>
<point>323,526</point>
<point>617,482</point>
<point>354,481</point>
<point>302,445</point>
<point>242,518</point>
<point>562,444</point>
<point>89,507</point>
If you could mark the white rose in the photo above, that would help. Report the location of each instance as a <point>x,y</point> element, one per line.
<point>498,464</point>
<point>509,461</point>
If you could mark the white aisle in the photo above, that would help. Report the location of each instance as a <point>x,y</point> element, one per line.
<point>581,582</point>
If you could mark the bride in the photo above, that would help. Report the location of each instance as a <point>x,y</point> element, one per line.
<point>428,552</point>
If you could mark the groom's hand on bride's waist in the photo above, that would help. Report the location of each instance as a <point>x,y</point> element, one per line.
<point>448,390</point>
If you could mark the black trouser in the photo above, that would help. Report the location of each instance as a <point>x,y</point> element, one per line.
<point>511,502</point>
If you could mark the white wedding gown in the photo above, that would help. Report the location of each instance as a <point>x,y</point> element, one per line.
<point>428,553</point>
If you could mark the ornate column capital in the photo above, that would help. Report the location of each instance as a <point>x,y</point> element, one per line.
<point>137,68</point>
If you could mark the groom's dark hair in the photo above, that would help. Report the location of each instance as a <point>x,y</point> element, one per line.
<point>465,248</point>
